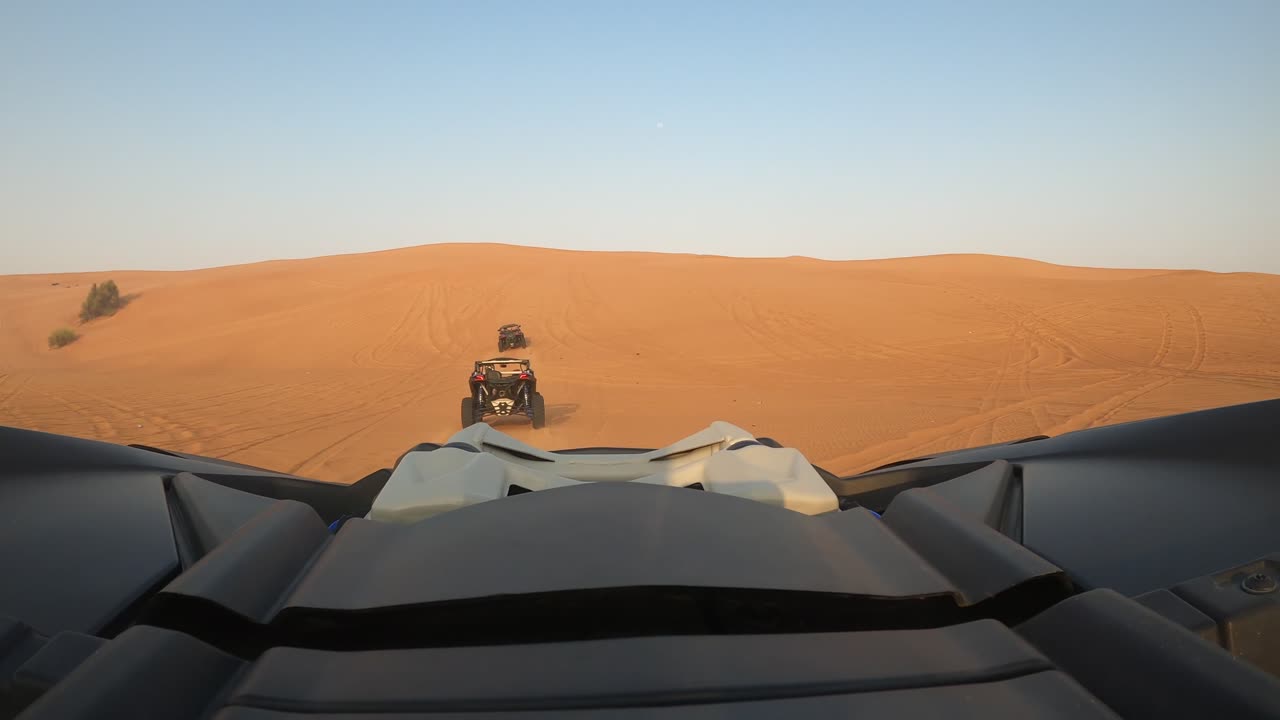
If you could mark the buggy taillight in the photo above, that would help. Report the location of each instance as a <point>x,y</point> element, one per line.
<point>524,376</point>
<point>478,377</point>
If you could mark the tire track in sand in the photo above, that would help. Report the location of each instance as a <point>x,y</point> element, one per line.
<point>1036,335</point>
<point>982,434</point>
<point>177,435</point>
<point>441,313</point>
<point>1103,413</point>
<point>103,429</point>
<point>11,389</point>
<point>372,356</point>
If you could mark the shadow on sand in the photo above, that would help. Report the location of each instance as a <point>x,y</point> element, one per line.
<point>556,414</point>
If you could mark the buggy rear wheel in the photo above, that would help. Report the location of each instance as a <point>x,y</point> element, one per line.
<point>538,408</point>
<point>468,412</point>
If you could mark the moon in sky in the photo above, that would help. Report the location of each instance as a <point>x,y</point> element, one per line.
<point>659,125</point>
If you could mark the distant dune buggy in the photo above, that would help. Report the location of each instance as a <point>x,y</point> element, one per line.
<point>503,387</point>
<point>511,336</point>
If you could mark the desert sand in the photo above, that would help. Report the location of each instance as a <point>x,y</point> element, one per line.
<point>331,367</point>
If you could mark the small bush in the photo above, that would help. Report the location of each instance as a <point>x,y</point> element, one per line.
<point>103,299</point>
<point>61,337</point>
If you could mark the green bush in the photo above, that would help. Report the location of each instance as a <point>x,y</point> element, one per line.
<point>61,337</point>
<point>103,299</point>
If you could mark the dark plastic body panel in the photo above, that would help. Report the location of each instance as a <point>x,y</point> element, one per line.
<point>518,570</point>
<point>976,670</point>
<point>77,550</point>
<point>141,583</point>
<point>1142,666</point>
<point>1247,623</point>
<point>1146,505</point>
<point>638,537</point>
<point>1162,521</point>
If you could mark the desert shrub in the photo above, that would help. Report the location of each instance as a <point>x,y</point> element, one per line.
<point>61,337</point>
<point>102,300</point>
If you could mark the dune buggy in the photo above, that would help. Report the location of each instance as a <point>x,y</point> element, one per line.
<point>511,336</point>
<point>503,387</point>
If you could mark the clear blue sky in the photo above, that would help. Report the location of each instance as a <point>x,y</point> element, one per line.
<point>182,134</point>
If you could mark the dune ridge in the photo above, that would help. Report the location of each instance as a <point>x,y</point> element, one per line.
<point>332,366</point>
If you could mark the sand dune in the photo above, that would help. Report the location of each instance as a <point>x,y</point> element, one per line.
<point>331,367</point>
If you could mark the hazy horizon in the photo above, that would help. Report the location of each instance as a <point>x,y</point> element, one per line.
<point>110,269</point>
<point>147,136</point>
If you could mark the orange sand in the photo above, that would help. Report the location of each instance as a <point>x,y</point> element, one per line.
<point>331,367</point>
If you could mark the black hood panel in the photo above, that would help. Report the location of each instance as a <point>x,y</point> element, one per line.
<point>122,565</point>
